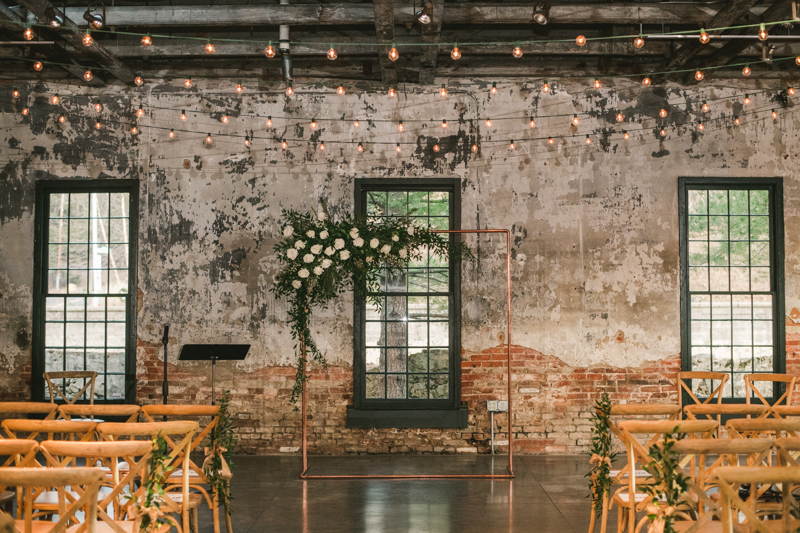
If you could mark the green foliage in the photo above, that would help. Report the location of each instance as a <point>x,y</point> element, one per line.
<point>668,480</point>
<point>601,450</point>
<point>223,440</point>
<point>154,486</point>
<point>321,258</point>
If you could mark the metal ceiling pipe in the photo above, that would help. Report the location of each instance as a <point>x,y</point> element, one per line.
<point>682,37</point>
<point>285,48</point>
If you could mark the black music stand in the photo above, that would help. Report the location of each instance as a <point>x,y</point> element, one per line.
<point>213,353</point>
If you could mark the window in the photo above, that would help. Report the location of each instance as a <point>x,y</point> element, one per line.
<point>407,351</point>
<point>85,274</point>
<point>732,280</point>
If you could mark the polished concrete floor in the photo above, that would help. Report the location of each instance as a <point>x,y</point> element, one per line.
<point>548,495</point>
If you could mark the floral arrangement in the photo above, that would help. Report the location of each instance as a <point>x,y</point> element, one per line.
<point>218,466</point>
<point>602,454</point>
<point>668,482</point>
<point>320,258</point>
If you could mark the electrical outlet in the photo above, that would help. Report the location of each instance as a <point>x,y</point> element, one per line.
<point>502,405</point>
<point>491,405</point>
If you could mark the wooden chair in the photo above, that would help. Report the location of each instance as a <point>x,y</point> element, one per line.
<point>89,381</point>
<point>125,485</point>
<point>724,409</point>
<point>30,429</point>
<point>181,435</point>
<point>90,412</point>
<point>85,481</point>
<point>28,408</point>
<point>685,379</point>
<point>750,389</point>
<point>778,427</point>
<point>20,453</point>
<point>729,479</point>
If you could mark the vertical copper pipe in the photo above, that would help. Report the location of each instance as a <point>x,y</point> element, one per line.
<point>508,345</point>
<point>305,438</point>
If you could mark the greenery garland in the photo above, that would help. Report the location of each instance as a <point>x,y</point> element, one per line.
<point>321,258</point>
<point>602,454</point>
<point>149,511</point>
<point>669,482</point>
<point>218,466</point>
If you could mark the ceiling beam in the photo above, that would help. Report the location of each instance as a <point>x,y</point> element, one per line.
<point>383,12</point>
<point>354,14</point>
<point>431,33</point>
<point>73,35</point>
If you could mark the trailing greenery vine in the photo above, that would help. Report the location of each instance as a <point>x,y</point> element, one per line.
<point>602,453</point>
<point>320,258</point>
<point>668,482</point>
<point>148,512</point>
<point>218,466</point>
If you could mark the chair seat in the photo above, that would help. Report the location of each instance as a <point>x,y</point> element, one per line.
<point>638,473</point>
<point>640,497</point>
<point>50,497</point>
<point>37,526</point>
<point>777,525</point>
<point>178,473</point>
<point>126,525</point>
<point>709,527</point>
<point>194,498</point>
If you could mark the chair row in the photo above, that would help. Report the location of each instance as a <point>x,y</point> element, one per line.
<point>132,413</point>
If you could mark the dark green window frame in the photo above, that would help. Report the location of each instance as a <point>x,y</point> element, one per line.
<point>774,188</point>
<point>44,188</point>
<point>410,413</point>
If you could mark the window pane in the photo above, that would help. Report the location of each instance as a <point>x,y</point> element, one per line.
<point>396,386</point>
<point>418,386</point>
<point>376,386</point>
<point>698,202</point>
<point>440,386</point>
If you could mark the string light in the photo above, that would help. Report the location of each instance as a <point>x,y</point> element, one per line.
<point>443,92</point>
<point>289,89</point>
<point>790,90</point>
<point>98,107</point>
<point>224,119</point>
<point>55,99</point>
<point>15,92</point>
<point>575,120</point>
<point>699,75</point>
<point>705,107</point>
<point>517,52</point>
<point>736,121</point>
<point>588,139</point>
<point>392,92</point>
<point>663,132</point>
<point>210,49</point>
<point>763,35</point>
<point>400,126</point>
<point>283,144</point>
<point>774,114</point>
<point>435,147</point>
<point>620,118</point>
<point>239,87</point>
<point>550,140</point>
<point>580,40</point>
<point>746,99</point>
<point>187,83</point>
<point>340,90</point>
<point>625,135</point>
<point>62,119</point>
<point>269,121</point>
<point>140,111</point>
<point>269,51</point>
<point>639,41</point>
<point>208,139</point>
<point>532,123</point>
<point>360,148</point>
<point>313,123</point>
<point>546,87</point>
<point>97,125</point>
<point>474,148</point>
<point>38,66</point>
<point>746,70</point>
<point>88,75</point>
<point>493,90</point>
<point>134,130</point>
<point>138,81</point>
<point>332,53</point>
<point>171,134</point>
<point>797,60</point>
<point>24,111</point>
<point>398,149</point>
<point>393,55</point>
<point>662,113</point>
<point>647,81</point>
<point>247,141</point>
<point>597,84</point>
<point>700,127</point>
<point>356,123</point>
<point>456,53</point>
<point>183,115</point>
<point>704,37</point>
<point>87,38</point>
<point>444,124</point>
<point>488,123</point>
<point>512,146</point>
<point>147,40</point>
<point>28,33</point>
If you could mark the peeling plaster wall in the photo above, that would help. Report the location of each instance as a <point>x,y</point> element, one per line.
<point>594,229</point>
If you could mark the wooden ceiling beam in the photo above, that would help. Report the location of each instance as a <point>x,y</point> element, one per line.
<point>383,13</point>
<point>431,33</point>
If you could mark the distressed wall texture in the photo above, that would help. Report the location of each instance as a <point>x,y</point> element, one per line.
<point>595,237</point>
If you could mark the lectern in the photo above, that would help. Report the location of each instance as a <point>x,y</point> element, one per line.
<point>213,353</point>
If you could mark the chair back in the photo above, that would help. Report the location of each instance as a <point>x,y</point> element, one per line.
<point>685,381</point>
<point>28,408</point>
<point>70,377</point>
<point>68,429</point>
<point>779,427</point>
<point>751,389</point>
<point>70,411</point>
<point>759,478</point>
<point>20,452</point>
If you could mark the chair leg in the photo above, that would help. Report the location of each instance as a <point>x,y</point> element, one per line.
<point>193,521</point>
<point>215,512</point>
<point>604,518</point>
<point>591,521</point>
<point>228,525</point>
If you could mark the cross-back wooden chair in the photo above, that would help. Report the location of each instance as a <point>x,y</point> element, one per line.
<point>729,479</point>
<point>181,435</point>
<point>717,411</point>
<point>685,380</point>
<point>628,501</point>
<point>68,429</point>
<point>197,477</point>
<point>15,409</point>
<point>20,453</point>
<point>88,384</point>
<point>751,390</point>
<point>778,427</point>
<point>125,485</point>
<point>27,480</point>
<point>90,412</point>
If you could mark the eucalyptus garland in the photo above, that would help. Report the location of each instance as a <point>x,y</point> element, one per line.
<point>149,510</point>
<point>668,481</point>
<point>601,450</point>
<point>218,466</point>
<point>321,258</point>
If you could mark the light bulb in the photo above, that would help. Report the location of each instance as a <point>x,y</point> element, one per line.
<point>493,90</point>
<point>98,107</point>
<point>210,48</point>
<point>532,123</point>
<point>97,125</point>
<point>746,70</point>
<point>588,139</point>
<point>356,123</point>
<point>38,66</point>
<point>517,52</point>
<point>575,120</point>
<point>140,112</point>
<point>239,87</point>
<point>24,111</point>
<point>400,126</point>
<point>332,53</point>
<point>435,147</point>
<point>393,55</point>
<point>746,99</point>
<point>289,90</point>
<point>620,118</point>
<point>550,140</point>
<point>224,119</point>
<point>639,41</point>
<point>763,35</point>
<point>647,81</point>
<point>187,83</point>
<point>488,123</point>
<point>284,145</point>
<point>208,139</point>
<point>797,60</point>
<point>398,148</point>
<point>700,127</point>
<point>87,39</point>
<point>183,114</point>
<point>247,141</point>
<point>662,113</point>
<point>580,40</point>
<point>88,75</point>
<point>269,122</point>
<point>625,135</point>
<point>545,87</point>
<point>62,119</point>
<point>704,37</point>
<point>360,147</point>
<point>512,146</point>
<point>15,92</point>
<point>456,53</point>
<point>474,148</point>
<point>790,90</point>
<point>55,99</point>
<point>443,92</point>
<point>392,93</point>
<point>699,75</point>
<point>774,114</point>
<point>313,123</point>
<point>663,132</point>
<point>138,81</point>
<point>134,130</point>
<point>340,90</point>
<point>597,84</point>
<point>736,121</point>
<point>171,134</point>
<point>269,51</point>
<point>28,34</point>
<point>705,107</point>
<point>146,40</point>
<point>444,124</point>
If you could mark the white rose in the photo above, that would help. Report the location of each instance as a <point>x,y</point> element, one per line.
<point>291,253</point>
<point>354,233</point>
<point>310,234</point>
<point>329,251</point>
<point>345,255</point>
<point>385,249</point>
<point>323,234</point>
<point>374,243</point>
<point>316,249</point>
<point>287,231</point>
<point>402,253</point>
<point>411,230</point>
<point>303,273</point>
<point>358,242</point>
<point>369,259</point>
<point>296,284</point>
<point>321,215</point>
<point>299,245</point>
<point>318,270</point>
<point>338,244</point>
<point>395,238</point>
<point>326,263</point>
<point>308,258</point>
